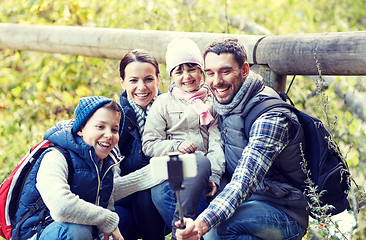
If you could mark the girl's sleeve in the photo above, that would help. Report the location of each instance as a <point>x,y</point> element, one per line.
<point>154,140</point>
<point>64,205</point>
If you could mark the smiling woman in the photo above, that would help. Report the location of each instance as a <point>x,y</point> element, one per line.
<point>140,78</point>
<point>140,83</point>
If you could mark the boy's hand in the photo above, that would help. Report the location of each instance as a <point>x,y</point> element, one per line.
<point>187,147</point>
<point>116,235</point>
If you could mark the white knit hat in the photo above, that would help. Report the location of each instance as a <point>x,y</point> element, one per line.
<point>181,51</point>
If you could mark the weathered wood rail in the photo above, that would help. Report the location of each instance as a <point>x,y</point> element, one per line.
<point>342,53</point>
<point>274,57</point>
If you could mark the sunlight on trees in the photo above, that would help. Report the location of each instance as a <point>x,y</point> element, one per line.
<point>39,89</point>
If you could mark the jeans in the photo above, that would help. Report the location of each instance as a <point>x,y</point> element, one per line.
<point>67,231</point>
<point>260,220</point>
<point>139,217</point>
<point>192,195</point>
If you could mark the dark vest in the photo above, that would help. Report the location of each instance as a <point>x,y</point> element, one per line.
<point>278,187</point>
<point>130,144</point>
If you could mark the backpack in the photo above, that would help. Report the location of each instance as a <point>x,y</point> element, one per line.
<point>327,169</point>
<point>12,187</point>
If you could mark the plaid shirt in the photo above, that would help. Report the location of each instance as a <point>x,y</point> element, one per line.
<point>269,135</point>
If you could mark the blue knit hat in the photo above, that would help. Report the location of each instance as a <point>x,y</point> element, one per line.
<point>86,108</point>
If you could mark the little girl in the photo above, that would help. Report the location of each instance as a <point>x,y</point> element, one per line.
<point>183,120</point>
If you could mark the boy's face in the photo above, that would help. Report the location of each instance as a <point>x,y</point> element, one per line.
<point>101,131</point>
<point>224,76</point>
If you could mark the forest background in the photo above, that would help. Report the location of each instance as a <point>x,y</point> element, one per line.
<point>39,89</point>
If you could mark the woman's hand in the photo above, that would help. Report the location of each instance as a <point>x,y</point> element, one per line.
<point>187,147</point>
<point>116,235</point>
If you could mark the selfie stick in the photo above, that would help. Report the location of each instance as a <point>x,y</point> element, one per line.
<point>175,178</point>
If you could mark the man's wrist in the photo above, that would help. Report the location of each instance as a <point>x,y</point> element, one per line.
<point>201,226</point>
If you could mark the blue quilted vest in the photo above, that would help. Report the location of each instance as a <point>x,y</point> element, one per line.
<point>86,180</point>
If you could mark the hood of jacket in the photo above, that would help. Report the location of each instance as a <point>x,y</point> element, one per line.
<point>61,135</point>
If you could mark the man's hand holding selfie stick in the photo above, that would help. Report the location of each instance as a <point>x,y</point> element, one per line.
<point>194,229</point>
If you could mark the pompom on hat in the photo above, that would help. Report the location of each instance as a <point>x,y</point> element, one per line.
<point>181,51</point>
<point>86,108</point>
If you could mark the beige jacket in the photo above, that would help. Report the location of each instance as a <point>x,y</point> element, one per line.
<point>171,121</point>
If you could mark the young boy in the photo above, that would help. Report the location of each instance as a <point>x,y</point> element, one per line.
<point>77,193</point>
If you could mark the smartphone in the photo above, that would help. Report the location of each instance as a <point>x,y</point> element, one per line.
<point>159,166</point>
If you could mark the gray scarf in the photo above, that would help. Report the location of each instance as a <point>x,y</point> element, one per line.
<point>252,84</point>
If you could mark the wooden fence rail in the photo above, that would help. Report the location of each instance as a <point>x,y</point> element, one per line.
<point>342,53</point>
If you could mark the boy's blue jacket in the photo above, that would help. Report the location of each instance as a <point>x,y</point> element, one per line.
<point>86,180</point>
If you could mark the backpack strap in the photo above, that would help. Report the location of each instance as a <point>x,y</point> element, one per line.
<point>263,107</point>
<point>40,205</point>
<point>67,156</point>
<point>286,98</point>
<point>44,221</point>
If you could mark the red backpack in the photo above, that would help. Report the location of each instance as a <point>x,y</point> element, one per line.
<point>12,187</point>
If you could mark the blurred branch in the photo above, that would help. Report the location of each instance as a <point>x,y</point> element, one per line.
<point>245,25</point>
<point>355,100</point>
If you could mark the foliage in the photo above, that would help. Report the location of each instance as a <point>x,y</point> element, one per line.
<point>39,89</point>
